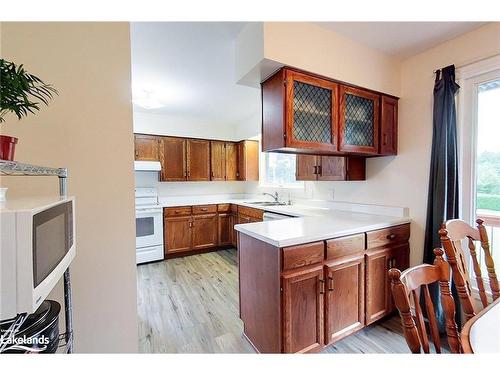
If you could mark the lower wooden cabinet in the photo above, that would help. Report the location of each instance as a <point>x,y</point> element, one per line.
<point>344,299</point>
<point>225,229</point>
<point>326,290</point>
<point>177,234</point>
<point>303,310</point>
<point>379,301</point>
<point>204,231</point>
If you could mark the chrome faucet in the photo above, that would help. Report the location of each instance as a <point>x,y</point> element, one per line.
<point>275,196</point>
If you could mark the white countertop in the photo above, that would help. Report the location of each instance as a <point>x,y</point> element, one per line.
<point>295,231</point>
<point>313,221</point>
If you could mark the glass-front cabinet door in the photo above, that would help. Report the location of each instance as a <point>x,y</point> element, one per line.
<point>359,120</point>
<point>311,112</point>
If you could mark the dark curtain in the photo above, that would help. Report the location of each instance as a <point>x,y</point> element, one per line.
<point>442,201</point>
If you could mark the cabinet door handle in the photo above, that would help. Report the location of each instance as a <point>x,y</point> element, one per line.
<point>391,236</point>
<point>330,286</point>
<point>320,170</point>
<point>389,263</point>
<point>136,153</point>
<point>315,169</point>
<point>213,174</point>
<point>190,224</point>
<point>189,174</point>
<point>385,139</point>
<point>321,286</point>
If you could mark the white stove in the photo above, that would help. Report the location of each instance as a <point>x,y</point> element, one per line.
<point>149,225</point>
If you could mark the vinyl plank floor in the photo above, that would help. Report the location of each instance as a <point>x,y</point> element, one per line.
<point>190,305</point>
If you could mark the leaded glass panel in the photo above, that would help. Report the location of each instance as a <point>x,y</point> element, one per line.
<point>358,121</point>
<point>312,113</point>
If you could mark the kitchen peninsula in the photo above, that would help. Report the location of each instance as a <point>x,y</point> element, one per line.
<point>309,281</point>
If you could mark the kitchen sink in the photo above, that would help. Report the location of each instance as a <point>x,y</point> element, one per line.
<point>267,203</point>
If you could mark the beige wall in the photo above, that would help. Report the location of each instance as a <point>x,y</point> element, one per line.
<point>319,50</point>
<point>87,128</point>
<point>400,180</point>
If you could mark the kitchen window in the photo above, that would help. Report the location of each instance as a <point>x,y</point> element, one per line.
<point>480,149</point>
<point>278,170</point>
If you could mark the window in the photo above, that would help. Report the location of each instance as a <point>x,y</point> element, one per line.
<point>480,150</point>
<point>279,170</point>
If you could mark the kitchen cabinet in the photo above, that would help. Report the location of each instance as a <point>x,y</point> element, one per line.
<point>223,160</point>
<point>198,160</point>
<point>303,293</point>
<point>189,159</point>
<point>304,113</point>
<point>146,147</point>
<point>388,125</point>
<point>177,234</point>
<point>173,159</point>
<point>248,160</point>
<point>359,121</point>
<point>344,300</point>
<point>204,231</point>
<point>326,290</point>
<point>190,229</point>
<point>217,161</point>
<point>390,249</point>
<point>330,168</point>
<point>300,112</point>
<point>225,229</point>
<point>184,159</point>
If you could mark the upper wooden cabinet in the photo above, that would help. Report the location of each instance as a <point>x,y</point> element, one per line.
<point>224,161</point>
<point>248,160</point>
<point>330,168</point>
<point>388,125</point>
<point>146,147</point>
<point>306,114</point>
<point>189,159</point>
<point>359,121</point>
<point>198,160</point>
<point>173,159</point>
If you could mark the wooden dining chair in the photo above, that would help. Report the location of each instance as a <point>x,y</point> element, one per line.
<point>453,235</point>
<point>412,282</point>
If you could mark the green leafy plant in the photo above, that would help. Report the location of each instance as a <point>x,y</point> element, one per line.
<point>21,92</point>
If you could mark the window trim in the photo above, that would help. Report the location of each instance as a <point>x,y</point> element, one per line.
<point>263,182</point>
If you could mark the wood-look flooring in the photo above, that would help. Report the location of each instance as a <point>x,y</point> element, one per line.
<point>190,305</point>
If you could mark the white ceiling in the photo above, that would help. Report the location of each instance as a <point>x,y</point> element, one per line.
<point>191,66</point>
<point>401,39</point>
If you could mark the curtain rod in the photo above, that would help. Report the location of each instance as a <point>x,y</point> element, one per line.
<point>470,63</point>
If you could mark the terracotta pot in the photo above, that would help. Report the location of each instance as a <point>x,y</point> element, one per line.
<point>7,147</point>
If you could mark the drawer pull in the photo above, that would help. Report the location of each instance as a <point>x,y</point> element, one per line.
<point>204,209</point>
<point>391,236</point>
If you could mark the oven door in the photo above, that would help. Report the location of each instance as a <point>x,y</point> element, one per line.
<point>148,227</point>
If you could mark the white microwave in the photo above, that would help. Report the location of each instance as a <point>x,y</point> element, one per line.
<point>37,245</point>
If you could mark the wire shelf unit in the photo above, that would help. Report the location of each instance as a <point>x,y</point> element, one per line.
<point>14,168</point>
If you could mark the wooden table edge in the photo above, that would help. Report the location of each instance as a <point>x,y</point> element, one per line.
<point>465,334</point>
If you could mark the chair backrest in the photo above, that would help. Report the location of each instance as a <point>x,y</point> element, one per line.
<point>412,282</point>
<point>453,234</point>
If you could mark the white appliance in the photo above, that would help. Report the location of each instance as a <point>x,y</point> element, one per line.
<point>37,245</point>
<point>149,225</point>
<point>147,166</point>
<point>270,216</point>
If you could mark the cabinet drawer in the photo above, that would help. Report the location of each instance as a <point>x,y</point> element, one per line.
<point>339,247</point>
<point>224,207</point>
<point>387,236</point>
<point>303,255</point>
<point>177,211</point>
<point>252,212</point>
<point>205,209</point>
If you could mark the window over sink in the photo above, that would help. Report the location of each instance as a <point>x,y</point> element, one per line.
<point>278,170</point>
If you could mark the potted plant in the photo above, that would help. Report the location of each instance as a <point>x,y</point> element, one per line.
<point>20,93</point>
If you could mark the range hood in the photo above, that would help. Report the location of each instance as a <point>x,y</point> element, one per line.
<point>147,166</point>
